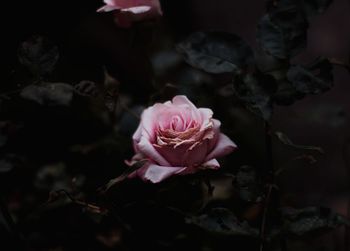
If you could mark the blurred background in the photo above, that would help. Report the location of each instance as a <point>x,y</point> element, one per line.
<point>80,147</point>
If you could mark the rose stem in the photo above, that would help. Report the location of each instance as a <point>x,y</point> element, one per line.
<point>270,197</point>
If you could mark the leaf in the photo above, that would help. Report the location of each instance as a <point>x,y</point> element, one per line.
<point>299,222</point>
<point>283,31</point>
<point>5,166</point>
<point>8,162</point>
<point>246,182</point>
<point>286,94</point>
<point>216,52</point>
<point>111,91</point>
<point>313,7</point>
<point>39,55</point>
<point>52,94</point>
<point>255,91</point>
<point>314,79</point>
<point>285,140</point>
<point>221,221</point>
<point>87,88</point>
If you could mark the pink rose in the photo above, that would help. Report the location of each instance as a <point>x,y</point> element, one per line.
<point>129,11</point>
<point>177,138</point>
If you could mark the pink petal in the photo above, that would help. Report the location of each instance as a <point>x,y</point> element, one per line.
<point>137,9</point>
<point>206,115</point>
<point>193,113</point>
<point>149,119</point>
<point>145,147</point>
<point>183,100</point>
<point>182,156</point>
<point>108,8</point>
<point>155,173</point>
<point>211,164</point>
<point>136,137</point>
<point>223,147</point>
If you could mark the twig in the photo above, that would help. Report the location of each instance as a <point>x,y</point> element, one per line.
<point>264,218</point>
<point>269,173</point>
<point>91,207</point>
<point>270,181</point>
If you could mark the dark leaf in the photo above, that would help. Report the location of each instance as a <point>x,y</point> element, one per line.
<point>216,52</point>
<point>8,162</point>
<point>314,79</point>
<point>285,140</point>
<point>256,91</point>
<point>282,32</point>
<point>314,7</point>
<point>49,94</point>
<point>39,55</point>
<point>111,91</point>
<point>5,166</point>
<point>246,183</point>
<point>267,63</point>
<point>286,93</point>
<point>221,221</point>
<point>87,88</point>
<point>299,222</point>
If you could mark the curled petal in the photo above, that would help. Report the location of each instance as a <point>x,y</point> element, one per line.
<point>155,173</point>
<point>148,118</point>
<point>211,164</point>
<point>183,156</point>
<point>223,147</point>
<point>137,9</point>
<point>136,137</point>
<point>206,116</point>
<point>108,8</point>
<point>183,100</point>
<point>145,147</point>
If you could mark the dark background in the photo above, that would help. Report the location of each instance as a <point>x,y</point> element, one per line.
<point>89,41</point>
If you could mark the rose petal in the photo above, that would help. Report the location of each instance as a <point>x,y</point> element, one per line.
<point>211,164</point>
<point>136,137</point>
<point>183,100</point>
<point>193,114</point>
<point>137,10</point>
<point>223,147</point>
<point>149,118</point>
<point>108,8</point>
<point>206,115</point>
<point>145,147</point>
<point>155,173</point>
<point>182,156</point>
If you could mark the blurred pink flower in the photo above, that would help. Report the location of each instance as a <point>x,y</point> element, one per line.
<point>129,11</point>
<point>177,138</point>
